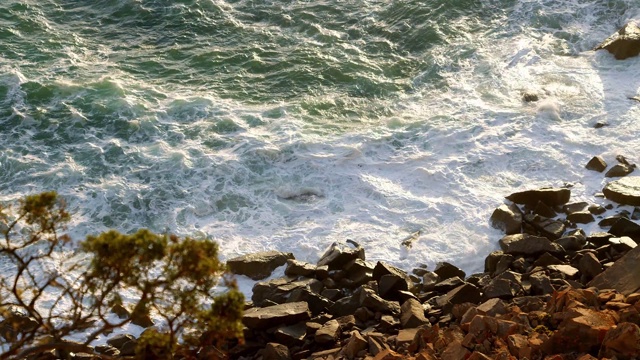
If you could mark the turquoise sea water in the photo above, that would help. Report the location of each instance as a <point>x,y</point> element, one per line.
<point>292,124</point>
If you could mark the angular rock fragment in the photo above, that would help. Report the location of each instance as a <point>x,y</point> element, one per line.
<point>412,314</point>
<point>299,268</point>
<point>619,170</point>
<point>623,44</point>
<point>623,275</point>
<point>626,227</point>
<point>328,333</point>
<point>621,342</point>
<point>275,351</point>
<point>596,163</point>
<point>258,266</point>
<point>507,218</point>
<point>340,254</point>
<point>528,245</point>
<point>446,270</point>
<point>282,314</point>
<point>549,196</point>
<point>581,217</point>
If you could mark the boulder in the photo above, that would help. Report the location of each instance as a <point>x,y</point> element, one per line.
<point>390,280</point>
<point>625,191</point>
<point>549,228</point>
<point>581,217</point>
<point>621,342</point>
<point>528,245</point>
<point>446,271</point>
<point>328,333</point>
<point>291,334</point>
<point>622,275</point>
<point>412,314</point>
<point>619,170</point>
<point>626,227</point>
<point>340,254</point>
<point>299,268</point>
<point>549,196</point>
<point>461,294</point>
<point>278,290</point>
<point>355,344</point>
<point>623,44</point>
<point>596,163</point>
<point>507,218</point>
<point>582,330</point>
<point>259,265</point>
<point>282,314</point>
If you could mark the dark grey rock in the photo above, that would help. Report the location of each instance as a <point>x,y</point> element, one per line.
<point>571,243</point>
<point>119,340</point>
<point>549,228</point>
<point>549,196</point>
<point>317,303</point>
<point>278,290</point>
<point>624,191</point>
<point>339,254</point>
<point>281,314</point>
<point>610,220</point>
<point>528,245</point>
<point>299,268</point>
<point>540,284</point>
<point>369,298</point>
<point>446,270</point>
<point>258,266</point>
<point>622,275</point>
<point>622,244</point>
<point>626,227</point>
<point>619,170</point>
<point>596,163</point>
<point>623,44</point>
<point>492,307</point>
<point>448,284</point>
<point>507,218</point>
<point>461,294</point>
<point>596,209</point>
<point>581,217</point>
<point>589,266</point>
<point>530,97</point>
<point>391,280</point>
<point>547,259</point>
<point>491,261</point>
<point>544,210</point>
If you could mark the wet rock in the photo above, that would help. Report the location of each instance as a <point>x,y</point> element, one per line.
<point>624,191</point>
<point>528,245</point>
<point>622,275</point>
<point>282,314</point>
<point>596,209</point>
<point>581,217</point>
<point>626,227</point>
<point>544,210</point>
<point>258,266</point>
<point>549,228</point>
<point>391,280</point>
<point>412,314</point>
<point>530,97</point>
<point>507,218</point>
<point>623,44</point>
<point>596,163</point>
<point>340,254</point>
<point>446,270</point>
<point>549,196</point>
<point>621,342</point>
<point>619,170</point>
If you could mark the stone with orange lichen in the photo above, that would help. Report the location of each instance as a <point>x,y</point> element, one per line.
<point>582,330</point>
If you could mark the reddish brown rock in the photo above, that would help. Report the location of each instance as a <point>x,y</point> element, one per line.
<point>622,342</point>
<point>455,351</point>
<point>582,330</point>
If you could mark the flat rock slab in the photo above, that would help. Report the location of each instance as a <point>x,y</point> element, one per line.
<point>623,275</point>
<point>528,245</point>
<point>624,191</point>
<point>550,197</point>
<point>282,314</point>
<point>259,265</point>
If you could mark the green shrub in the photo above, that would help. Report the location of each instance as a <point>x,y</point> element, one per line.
<point>51,292</point>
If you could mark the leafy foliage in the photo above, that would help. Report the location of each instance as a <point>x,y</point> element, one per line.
<point>50,292</point>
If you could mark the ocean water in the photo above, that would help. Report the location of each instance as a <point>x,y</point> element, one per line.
<point>289,125</point>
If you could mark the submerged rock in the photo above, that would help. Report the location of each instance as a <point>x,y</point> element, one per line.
<point>623,44</point>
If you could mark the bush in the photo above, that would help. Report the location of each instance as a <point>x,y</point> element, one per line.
<point>51,291</point>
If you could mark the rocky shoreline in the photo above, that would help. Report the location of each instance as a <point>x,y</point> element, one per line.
<point>551,292</point>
